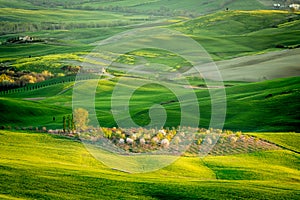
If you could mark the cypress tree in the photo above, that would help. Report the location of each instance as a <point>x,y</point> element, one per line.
<point>69,122</point>
<point>64,124</point>
<point>73,123</point>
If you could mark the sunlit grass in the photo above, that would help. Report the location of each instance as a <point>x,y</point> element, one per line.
<point>31,162</point>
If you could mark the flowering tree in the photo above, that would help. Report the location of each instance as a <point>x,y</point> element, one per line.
<point>81,118</point>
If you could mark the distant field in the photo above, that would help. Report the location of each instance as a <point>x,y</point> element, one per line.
<point>157,7</point>
<point>267,66</point>
<point>47,166</point>
<point>224,35</point>
<point>192,6</point>
<point>233,34</point>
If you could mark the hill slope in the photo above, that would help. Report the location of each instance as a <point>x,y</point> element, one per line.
<point>159,7</point>
<point>42,166</point>
<point>251,107</point>
<point>267,66</point>
<point>236,33</point>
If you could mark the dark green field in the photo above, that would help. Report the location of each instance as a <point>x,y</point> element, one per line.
<point>254,46</point>
<point>248,106</point>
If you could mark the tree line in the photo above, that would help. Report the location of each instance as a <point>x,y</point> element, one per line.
<point>7,27</point>
<point>82,5</point>
<point>29,87</point>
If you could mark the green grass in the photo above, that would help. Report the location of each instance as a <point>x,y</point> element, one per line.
<point>16,4</point>
<point>248,107</point>
<point>224,35</point>
<point>144,5</point>
<point>287,140</point>
<point>237,33</point>
<point>244,33</point>
<point>192,6</point>
<point>64,16</point>
<point>48,166</point>
<point>15,112</point>
<point>42,166</point>
<point>14,52</point>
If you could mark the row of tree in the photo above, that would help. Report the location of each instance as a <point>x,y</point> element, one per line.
<point>68,123</point>
<point>14,79</point>
<point>19,27</point>
<point>62,3</point>
<point>162,11</point>
<point>9,89</point>
<point>83,5</point>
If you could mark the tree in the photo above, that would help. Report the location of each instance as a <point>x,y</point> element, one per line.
<point>64,124</point>
<point>72,123</point>
<point>69,123</point>
<point>27,79</point>
<point>4,77</point>
<point>81,118</point>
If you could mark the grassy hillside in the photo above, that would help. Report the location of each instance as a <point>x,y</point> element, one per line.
<point>47,166</point>
<point>271,65</point>
<point>158,7</point>
<point>254,48</point>
<point>18,20</point>
<point>270,105</point>
<point>287,140</point>
<point>236,33</point>
<point>29,113</point>
<point>192,6</point>
<point>16,4</point>
<point>250,107</point>
<point>224,35</point>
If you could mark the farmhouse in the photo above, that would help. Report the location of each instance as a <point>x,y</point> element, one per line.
<point>277,5</point>
<point>26,39</point>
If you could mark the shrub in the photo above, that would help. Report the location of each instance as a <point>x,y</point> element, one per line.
<point>129,141</point>
<point>199,141</point>
<point>142,141</point>
<point>209,141</point>
<point>238,134</point>
<point>233,139</point>
<point>121,141</point>
<point>280,46</point>
<point>154,140</point>
<point>165,143</point>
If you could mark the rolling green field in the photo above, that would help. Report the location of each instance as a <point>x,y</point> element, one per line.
<point>254,46</point>
<point>47,166</point>
<point>287,140</point>
<point>157,7</point>
<point>237,33</point>
<point>224,35</point>
<point>248,106</point>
